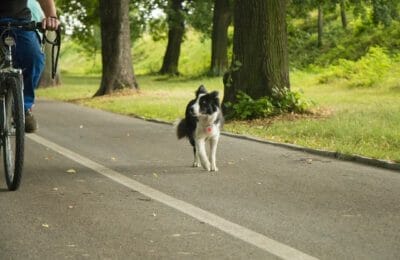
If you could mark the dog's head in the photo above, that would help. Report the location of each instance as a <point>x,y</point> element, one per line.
<point>205,103</point>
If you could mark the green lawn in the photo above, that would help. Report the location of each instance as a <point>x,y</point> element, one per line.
<point>364,121</point>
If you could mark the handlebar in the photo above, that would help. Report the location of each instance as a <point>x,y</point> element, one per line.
<point>32,26</point>
<point>29,26</point>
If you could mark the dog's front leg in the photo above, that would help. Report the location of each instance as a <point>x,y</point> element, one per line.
<point>202,154</point>
<point>213,152</point>
<point>196,162</point>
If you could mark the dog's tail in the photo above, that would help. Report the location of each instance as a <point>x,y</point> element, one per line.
<point>181,129</point>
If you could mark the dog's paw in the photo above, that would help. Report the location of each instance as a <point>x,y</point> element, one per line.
<point>207,167</point>
<point>214,169</point>
<point>196,165</point>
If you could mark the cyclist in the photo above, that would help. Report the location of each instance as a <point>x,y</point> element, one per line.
<point>28,54</point>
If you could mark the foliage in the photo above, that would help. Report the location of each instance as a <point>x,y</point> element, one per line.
<point>248,108</point>
<point>366,72</point>
<point>289,101</point>
<point>200,15</point>
<point>282,101</point>
<point>81,19</point>
<point>366,27</point>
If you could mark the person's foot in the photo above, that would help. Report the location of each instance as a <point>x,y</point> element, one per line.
<point>31,124</point>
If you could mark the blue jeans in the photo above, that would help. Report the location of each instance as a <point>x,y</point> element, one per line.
<point>29,57</point>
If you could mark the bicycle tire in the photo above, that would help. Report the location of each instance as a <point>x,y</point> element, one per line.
<point>13,136</point>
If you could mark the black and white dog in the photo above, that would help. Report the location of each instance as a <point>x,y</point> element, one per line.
<point>202,124</point>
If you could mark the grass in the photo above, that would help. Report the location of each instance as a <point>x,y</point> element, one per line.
<point>158,97</point>
<point>362,121</point>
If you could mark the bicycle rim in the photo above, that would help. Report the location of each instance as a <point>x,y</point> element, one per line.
<point>13,134</point>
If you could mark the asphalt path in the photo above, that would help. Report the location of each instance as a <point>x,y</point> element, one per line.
<point>102,186</point>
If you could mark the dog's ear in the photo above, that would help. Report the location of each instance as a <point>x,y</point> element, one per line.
<point>214,94</point>
<point>201,90</point>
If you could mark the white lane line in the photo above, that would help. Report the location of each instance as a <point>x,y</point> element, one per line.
<point>271,246</point>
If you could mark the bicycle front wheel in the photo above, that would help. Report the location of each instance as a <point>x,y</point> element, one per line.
<point>13,132</point>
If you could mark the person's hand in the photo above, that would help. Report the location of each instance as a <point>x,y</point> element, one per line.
<point>50,23</point>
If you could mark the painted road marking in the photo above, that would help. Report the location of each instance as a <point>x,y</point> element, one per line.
<point>259,240</point>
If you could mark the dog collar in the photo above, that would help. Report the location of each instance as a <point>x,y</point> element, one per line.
<point>209,129</point>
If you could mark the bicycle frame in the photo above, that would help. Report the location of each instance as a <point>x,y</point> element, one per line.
<point>12,116</point>
<point>7,70</point>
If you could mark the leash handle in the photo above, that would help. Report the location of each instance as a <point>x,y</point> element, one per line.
<point>56,46</point>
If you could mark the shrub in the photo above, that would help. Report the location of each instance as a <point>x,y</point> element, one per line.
<point>366,72</point>
<point>248,108</point>
<point>287,101</point>
<point>282,101</point>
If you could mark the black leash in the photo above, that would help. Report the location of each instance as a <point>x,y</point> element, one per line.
<point>56,45</point>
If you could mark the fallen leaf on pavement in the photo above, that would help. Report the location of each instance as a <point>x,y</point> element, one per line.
<point>71,171</point>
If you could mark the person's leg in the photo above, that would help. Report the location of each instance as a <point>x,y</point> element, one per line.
<point>30,58</point>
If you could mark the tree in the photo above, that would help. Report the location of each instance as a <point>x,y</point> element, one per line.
<point>219,42</point>
<point>343,15</point>
<point>320,22</point>
<point>176,30</point>
<point>260,55</point>
<point>212,18</point>
<point>117,71</point>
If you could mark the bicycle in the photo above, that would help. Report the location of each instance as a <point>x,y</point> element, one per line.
<point>12,114</point>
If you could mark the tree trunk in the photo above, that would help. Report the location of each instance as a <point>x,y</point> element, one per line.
<point>343,13</point>
<point>117,71</point>
<point>45,79</point>
<point>176,30</point>
<point>320,24</point>
<point>260,56</point>
<point>219,42</point>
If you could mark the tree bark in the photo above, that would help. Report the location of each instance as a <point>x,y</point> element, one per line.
<point>219,42</point>
<point>343,13</point>
<point>176,30</point>
<point>45,79</point>
<point>117,71</point>
<point>260,56</point>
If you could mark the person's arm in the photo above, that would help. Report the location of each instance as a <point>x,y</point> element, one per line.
<point>50,22</point>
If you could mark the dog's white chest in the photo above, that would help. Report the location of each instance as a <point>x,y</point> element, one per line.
<point>206,126</point>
